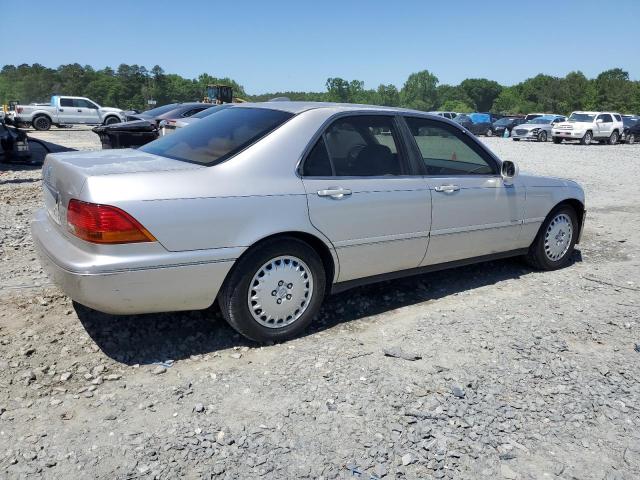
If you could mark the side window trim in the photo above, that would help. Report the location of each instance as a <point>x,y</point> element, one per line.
<point>463,137</point>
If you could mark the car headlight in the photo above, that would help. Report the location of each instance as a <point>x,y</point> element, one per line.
<point>535,130</point>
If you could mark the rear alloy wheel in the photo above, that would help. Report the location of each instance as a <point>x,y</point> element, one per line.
<point>553,246</point>
<point>586,139</point>
<point>274,291</point>
<point>613,139</point>
<point>42,123</point>
<point>631,139</point>
<point>489,133</point>
<point>542,136</point>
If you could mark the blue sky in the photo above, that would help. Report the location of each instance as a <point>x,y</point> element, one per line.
<point>273,45</point>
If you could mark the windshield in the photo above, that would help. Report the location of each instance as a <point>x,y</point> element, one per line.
<point>581,117</point>
<point>209,111</point>
<point>218,137</point>
<point>461,118</point>
<point>154,112</point>
<point>540,121</point>
<point>504,121</point>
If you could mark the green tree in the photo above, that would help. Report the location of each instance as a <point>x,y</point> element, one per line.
<point>419,91</point>
<point>482,92</point>
<point>388,95</point>
<point>614,90</point>
<point>456,106</point>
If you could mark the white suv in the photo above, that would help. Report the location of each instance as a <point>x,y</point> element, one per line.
<point>589,126</point>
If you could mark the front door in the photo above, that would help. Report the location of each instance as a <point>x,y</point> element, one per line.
<point>474,213</point>
<point>87,111</point>
<point>364,198</point>
<point>605,125</point>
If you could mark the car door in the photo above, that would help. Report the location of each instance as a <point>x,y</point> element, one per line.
<point>67,112</point>
<point>602,125</point>
<point>474,212</point>
<point>363,195</point>
<point>86,111</point>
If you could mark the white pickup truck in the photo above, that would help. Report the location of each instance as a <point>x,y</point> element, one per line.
<point>65,110</point>
<point>604,127</point>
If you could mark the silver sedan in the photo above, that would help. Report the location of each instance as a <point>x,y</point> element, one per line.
<point>538,128</point>
<point>266,208</point>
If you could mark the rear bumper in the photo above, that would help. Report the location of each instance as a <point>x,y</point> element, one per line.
<point>123,288</point>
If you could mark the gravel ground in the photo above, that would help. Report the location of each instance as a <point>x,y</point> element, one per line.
<point>507,373</point>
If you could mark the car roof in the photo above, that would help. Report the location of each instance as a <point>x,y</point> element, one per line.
<point>299,107</point>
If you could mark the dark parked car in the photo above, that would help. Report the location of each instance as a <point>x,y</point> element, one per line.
<point>631,129</point>
<point>506,124</point>
<point>144,127</point>
<point>476,123</point>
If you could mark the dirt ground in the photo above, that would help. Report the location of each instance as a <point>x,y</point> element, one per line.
<point>522,375</point>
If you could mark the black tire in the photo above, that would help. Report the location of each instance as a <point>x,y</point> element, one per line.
<point>631,139</point>
<point>586,138</point>
<point>537,256</point>
<point>613,139</point>
<point>111,120</point>
<point>234,300</point>
<point>542,136</point>
<point>41,123</point>
<point>557,140</point>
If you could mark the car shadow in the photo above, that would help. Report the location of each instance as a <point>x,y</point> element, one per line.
<point>158,338</point>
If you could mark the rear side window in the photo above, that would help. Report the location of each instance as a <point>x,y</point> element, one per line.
<point>218,137</point>
<point>358,146</point>
<point>66,102</point>
<point>618,117</point>
<point>445,151</point>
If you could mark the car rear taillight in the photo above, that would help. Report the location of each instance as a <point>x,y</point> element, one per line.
<point>104,224</point>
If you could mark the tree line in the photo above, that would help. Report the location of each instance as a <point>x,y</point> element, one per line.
<point>131,86</point>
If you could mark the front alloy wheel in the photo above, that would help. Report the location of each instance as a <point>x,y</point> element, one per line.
<point>631,139</point>
<point>542,136</point>
<point>553,246</point>
<point>586,139</point>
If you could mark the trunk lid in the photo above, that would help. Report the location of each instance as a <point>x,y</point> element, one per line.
<point>65,174</point>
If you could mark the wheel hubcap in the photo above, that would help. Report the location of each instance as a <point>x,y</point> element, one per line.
<point>558,236</point>
<point>280,292</point>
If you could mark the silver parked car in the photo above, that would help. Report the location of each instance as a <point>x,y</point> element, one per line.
<point>268,207</point>
<point>538,128</point>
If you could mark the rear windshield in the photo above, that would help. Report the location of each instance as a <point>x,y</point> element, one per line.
<point>218,137</point>
<point>210,110</point>
<point>159,110</point>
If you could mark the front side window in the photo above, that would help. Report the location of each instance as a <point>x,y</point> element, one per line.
<point>606,118</point>
<point>358,146</point>
<point>446,151</point>
<point>80,103</point>
<point>218,137</point>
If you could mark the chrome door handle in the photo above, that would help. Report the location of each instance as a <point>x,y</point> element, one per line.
<point>335,193</point>
<point>447,188</point>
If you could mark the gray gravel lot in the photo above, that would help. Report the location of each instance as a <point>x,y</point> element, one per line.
<point>521,375</point>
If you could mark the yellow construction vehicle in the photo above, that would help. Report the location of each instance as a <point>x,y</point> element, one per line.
<point>219,94</point>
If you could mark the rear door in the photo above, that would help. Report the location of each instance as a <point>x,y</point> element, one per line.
<point>474,213</point>
<point>364,196</point>
<point>67,111</point>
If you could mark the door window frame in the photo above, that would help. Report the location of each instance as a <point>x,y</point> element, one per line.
<point>404,153</point>
<point>468,139</point>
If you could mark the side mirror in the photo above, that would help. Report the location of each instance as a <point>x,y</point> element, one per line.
<point>599,120</point>
<point>508,171</point>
